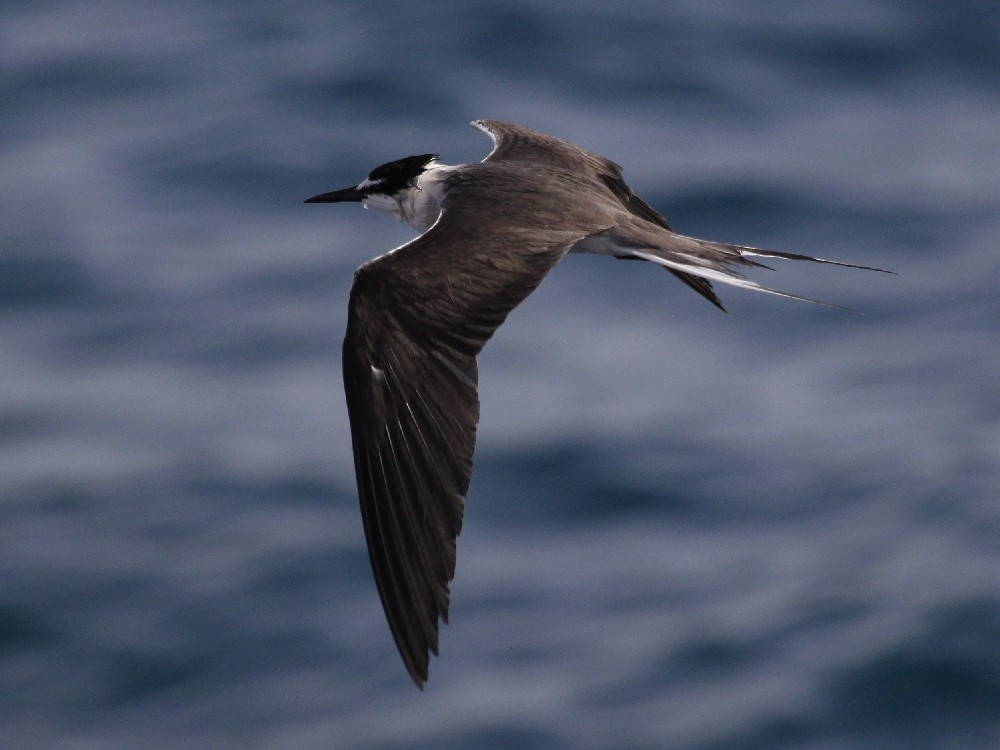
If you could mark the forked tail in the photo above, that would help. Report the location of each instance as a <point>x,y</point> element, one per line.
<point>716,261</point>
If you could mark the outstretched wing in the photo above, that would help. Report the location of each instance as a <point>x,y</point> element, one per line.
<point>418,317</point>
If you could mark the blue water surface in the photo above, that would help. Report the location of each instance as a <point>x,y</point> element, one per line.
<point>776,528</point>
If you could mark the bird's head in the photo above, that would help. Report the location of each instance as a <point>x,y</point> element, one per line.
<point>388,181</point>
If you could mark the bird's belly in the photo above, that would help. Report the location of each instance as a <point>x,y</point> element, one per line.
<point>601,243</point>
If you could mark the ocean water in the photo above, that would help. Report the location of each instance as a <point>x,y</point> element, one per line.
<point>776,528</point>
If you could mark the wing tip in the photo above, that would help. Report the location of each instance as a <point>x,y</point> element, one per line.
<point>419,681</point>
<point>417,665</point>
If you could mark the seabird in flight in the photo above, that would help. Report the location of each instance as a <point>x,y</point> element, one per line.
<point>421,313</point>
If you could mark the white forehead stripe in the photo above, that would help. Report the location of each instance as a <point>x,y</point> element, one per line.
<point>366,183</point>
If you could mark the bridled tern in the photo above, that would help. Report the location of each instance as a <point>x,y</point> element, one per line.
<point>421,313</point>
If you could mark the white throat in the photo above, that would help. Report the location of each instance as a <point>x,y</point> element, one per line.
<point>418,205</point>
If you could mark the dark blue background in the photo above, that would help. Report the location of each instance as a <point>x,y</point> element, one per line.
<point>776,528</point>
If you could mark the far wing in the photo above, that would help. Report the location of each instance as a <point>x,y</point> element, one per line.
<point>518,143</point>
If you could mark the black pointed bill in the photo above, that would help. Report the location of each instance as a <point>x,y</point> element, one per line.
<point>339,196</point>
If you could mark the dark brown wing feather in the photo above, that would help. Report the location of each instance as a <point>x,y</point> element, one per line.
<point>418,317</point>
<point>517,143</point>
